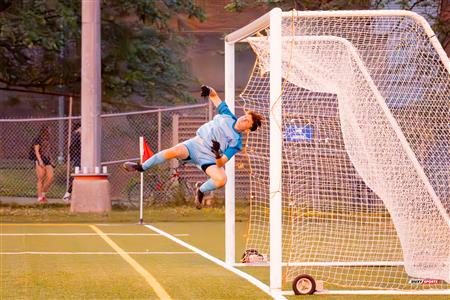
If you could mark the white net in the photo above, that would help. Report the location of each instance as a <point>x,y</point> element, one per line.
<point>366,155</point>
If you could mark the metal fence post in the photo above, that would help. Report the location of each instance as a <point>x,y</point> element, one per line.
<point>61,124</point>
<point>175,136</point>
<point>159,130</point>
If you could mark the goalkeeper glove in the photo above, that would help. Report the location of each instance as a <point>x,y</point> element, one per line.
<point>215,148</point>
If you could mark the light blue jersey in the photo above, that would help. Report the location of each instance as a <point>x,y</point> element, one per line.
<point>221,129</point>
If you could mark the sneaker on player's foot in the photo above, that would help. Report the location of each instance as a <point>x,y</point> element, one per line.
<point>132,166</point>
<point>198,196</point>
<point>42,200</point>
<point>205,91</point>
<point>67,197</point>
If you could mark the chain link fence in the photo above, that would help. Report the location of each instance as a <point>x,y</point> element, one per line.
<point>162,128</point>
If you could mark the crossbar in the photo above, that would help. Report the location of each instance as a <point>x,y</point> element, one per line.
<point>263,22</point>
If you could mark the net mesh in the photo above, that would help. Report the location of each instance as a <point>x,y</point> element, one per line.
<point>365,122</point>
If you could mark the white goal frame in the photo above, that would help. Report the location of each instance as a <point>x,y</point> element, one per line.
<point>273,19</point>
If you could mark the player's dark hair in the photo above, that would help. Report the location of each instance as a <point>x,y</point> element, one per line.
<point>257,120</point>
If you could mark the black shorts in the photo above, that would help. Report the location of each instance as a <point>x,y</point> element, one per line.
<point>206,166</point>
<point>45,160</point>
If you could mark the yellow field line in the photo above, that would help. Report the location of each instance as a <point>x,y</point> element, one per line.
<point>162,294</point>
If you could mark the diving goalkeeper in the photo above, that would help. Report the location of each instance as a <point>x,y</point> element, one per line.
<point>215,143</point>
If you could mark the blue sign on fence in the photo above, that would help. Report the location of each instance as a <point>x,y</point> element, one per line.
<point>299,133</point>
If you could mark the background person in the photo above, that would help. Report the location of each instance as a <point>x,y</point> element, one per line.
<point>40,155</point>
<point>75,157</point>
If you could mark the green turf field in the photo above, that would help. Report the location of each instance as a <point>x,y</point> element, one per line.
<point>68,259</point>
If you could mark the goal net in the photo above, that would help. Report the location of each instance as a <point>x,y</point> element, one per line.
<point>365,155</point>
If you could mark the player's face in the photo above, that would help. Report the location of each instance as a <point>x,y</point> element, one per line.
<point>245,122</point>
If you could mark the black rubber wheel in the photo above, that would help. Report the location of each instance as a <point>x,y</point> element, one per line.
<point>304,285</point>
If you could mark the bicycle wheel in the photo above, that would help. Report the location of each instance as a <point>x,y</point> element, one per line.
<point>134,195</point>
<point>158,194</point>
<point>151,195</point>
<point>188,190</point>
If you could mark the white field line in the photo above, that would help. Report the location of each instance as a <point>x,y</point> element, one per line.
<point>70,224</point>
<point>86,234</point>
<point>155,285</point>
<point>238,272</point>
<point>91,253</point>
<point>377,292</point>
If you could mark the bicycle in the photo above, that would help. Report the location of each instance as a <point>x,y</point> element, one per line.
<point>159,190</point>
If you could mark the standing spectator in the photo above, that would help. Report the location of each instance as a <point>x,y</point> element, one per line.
<point>40,155</point>
<point>75,157</point>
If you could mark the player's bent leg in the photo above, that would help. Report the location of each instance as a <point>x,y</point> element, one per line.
<point>198,196</point>
<point>179,151</point>
<point>217,180</point>
<point>217,175</point>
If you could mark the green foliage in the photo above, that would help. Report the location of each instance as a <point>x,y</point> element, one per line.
<point>236,5</point>
<point>32,34</point>
<point>428,9</point>
<point>40,47</point>
<point>239,5</point>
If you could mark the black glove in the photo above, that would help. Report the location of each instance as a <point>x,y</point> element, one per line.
<point>205,91</point>
<point>215,148</point>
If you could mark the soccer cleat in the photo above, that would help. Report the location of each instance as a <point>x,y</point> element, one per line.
<point>198,196</point>
<point>67,197</point>
<point>206,90</point>
<point>132,166</point>
<point>42,200</point>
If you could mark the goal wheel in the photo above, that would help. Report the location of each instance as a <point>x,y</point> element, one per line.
<point>304,285</point>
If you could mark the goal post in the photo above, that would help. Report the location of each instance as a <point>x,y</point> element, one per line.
<point>350,180</point>
<point>230,235</point>
<point>273,18</point>
<point>276,156</point>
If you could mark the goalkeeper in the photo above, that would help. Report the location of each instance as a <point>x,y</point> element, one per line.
<point>216,142</point>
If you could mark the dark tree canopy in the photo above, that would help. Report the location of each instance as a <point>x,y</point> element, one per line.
<point>238,5</point>
<point>40,47</point>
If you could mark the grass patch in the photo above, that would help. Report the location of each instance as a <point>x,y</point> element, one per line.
<point>60,213</point>
<point>22,182</point>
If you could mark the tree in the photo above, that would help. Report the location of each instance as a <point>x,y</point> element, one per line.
<point>429,9</point>
<point>141,55</point>
<point>239,5</point>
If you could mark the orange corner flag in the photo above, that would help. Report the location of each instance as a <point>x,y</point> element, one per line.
<point>146,152</point>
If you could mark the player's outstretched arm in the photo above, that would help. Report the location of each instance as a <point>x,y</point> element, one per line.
<point>209,92</point>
